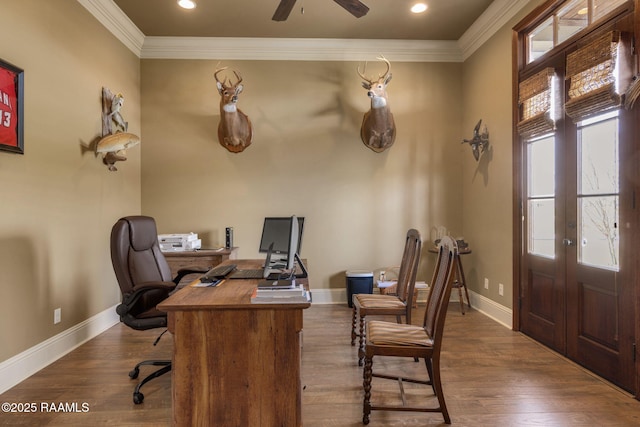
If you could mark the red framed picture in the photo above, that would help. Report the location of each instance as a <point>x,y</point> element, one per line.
<point>11,108</point>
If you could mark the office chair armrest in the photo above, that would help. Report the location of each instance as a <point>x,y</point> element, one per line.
<point>130,300</point>
<point>185,272</point>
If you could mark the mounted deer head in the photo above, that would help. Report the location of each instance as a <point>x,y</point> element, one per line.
<point>234,131</point>
<point>378,130</point>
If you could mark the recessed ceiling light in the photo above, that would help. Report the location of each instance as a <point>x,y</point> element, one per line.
<point>418,8</point>
<point>583,11</point>
<point>187,4</point>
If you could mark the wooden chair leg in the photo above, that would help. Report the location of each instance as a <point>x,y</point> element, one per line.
<point>366,385</point>
<point>437,385</point>
<point>362,338</point>
<point>430,372</point>
<point>353,326</point>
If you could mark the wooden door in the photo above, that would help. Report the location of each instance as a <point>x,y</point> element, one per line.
<point>543,289</point>
<point>600,304</point>
<point>577,285</point>
<point>577,183</point>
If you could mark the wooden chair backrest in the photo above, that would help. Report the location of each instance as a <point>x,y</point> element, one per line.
<point>409,266</point>
<point>440,291</point>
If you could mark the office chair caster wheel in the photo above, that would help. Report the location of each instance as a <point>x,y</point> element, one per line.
<point>138,398</point>
<point>134,373</point>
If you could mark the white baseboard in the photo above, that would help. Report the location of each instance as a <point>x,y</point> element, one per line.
<point>27,363</point>
<point>329,296</point>
<point>489,308</point>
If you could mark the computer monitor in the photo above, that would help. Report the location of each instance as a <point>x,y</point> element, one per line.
<point>277,230</point>
<point>294,236</point>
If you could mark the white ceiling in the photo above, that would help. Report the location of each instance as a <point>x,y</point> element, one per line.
<point>450,30</point>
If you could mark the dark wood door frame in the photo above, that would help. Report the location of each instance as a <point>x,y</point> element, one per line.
<point>630,169</point>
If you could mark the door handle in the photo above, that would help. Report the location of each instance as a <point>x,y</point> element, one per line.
<point>568,242</point>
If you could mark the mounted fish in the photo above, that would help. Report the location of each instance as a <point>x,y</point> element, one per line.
<point>378,130</point>
<point>114,147</point>
<point>234,131</point>
<point>115,138</point>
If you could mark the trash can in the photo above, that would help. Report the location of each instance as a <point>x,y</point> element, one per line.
<point>358,282</point>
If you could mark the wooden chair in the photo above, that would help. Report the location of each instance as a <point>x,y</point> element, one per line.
<point>406,340</point>
<point>390,305</point>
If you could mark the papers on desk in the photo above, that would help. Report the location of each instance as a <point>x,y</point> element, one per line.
<point>290,295</point>
<point>207,283</point>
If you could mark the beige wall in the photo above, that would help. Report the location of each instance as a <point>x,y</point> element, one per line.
<point>487,185</point>
<point>306,158</point>
<point>58,201</point>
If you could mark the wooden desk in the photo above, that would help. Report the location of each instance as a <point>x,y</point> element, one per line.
<point>201,259</point>
<point>234,363</point>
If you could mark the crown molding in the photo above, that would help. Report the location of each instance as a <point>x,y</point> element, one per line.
<point>288,49</point>
<point>119,24</point>
<point>495,17</point>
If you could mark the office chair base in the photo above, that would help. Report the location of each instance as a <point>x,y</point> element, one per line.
<point>138,397</point>
<point>136,370</point>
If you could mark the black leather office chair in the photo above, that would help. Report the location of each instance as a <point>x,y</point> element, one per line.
<point>145,280</point>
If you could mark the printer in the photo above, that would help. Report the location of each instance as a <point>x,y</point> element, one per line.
<point>179,242</point>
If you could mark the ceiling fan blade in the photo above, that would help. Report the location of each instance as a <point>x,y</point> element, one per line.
<point>283,10</point>
<point>354,7</point>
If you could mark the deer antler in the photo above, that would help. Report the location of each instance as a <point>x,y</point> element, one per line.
<point>386,61</point>
<point>239,77</point>
<point>215,74</point>
<point>380,76</point>
<point>361,74</point>
<point>224,82</point>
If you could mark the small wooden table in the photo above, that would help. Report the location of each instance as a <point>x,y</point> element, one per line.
<point>203,259</point>
<point>460,282</point>
<point>234,363</point>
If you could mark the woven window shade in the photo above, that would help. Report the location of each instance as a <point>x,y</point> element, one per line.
<point>536,97</point>
<point>596,71</point>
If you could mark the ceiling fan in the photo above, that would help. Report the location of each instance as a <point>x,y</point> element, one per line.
<point>354,7</point>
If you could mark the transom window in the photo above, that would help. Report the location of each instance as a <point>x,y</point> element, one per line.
<point>574,16</point>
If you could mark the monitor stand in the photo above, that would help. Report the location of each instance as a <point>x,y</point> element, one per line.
<point>303,268</point>
<point>278,262</point>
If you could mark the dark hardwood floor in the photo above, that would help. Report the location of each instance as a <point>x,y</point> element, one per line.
<point>492,377</point>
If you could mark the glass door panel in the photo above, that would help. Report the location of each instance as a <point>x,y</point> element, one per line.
<point>599,243</point>
<point>598,192</point>
<point>541,196</point>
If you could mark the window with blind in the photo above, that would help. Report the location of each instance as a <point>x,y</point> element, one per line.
<point>598,73</point>
<point>538,99</point>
